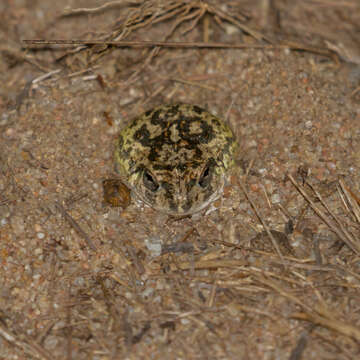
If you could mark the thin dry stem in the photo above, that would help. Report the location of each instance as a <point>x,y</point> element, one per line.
<point>102,8</point>
<point>76,226</point>
<point>30,348</point>
<point>339,232</point>
<point>335,325</point>
<point>266,228</point>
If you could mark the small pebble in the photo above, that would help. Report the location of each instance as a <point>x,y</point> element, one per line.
<point>263,171</point>
<point>38,251</point>
<point>147,292</point>
<point>10,132</point>
<point>185,321</point>
<point>154,245</point>
<point>275,199</point>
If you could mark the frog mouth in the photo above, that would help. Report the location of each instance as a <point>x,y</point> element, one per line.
<point>175,207</point>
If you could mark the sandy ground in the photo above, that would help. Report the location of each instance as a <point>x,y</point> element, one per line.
<point>80,279</point>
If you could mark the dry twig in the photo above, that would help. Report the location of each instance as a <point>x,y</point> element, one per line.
<point>338,229</point>
<point>178,44</point>
<point>33,349</point>
<point>76,226</point>
<point>266,228</point>
<point>333,324</point>
<point>101,8</point>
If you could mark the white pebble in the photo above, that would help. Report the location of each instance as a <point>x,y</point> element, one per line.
<point>154,245</point>
<point>275,198</point>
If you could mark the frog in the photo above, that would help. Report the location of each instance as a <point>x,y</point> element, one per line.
<point>176,158</point>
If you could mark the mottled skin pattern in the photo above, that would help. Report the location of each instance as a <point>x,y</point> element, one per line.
<point>175,157</point>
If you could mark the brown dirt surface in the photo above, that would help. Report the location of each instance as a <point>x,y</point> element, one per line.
<point>270,271</point>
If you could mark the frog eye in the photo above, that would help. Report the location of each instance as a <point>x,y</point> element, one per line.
<point>205,176</point>
<point>150,181</point>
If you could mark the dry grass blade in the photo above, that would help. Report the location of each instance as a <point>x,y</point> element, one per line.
<point>76,226</point>
<point>282,291</point>
<point>337,3</point>
<point>352,199</point>
<point>45,76</point>
<point>168,13</point>
<point>273,240</point>
<point>198,16</point>
<point>192,83</point>
<point>208,264</point>
<point>319,316</point>
<point>339,231</point>
<point>183,17</point>
<point>353,93</point>
<point>221,14</point>
<point>254,310</point>
<point>175,44</point>
<point>101,8</point>
<point>348,236</point>
<point>336,325</point>
<point>33,349</point>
